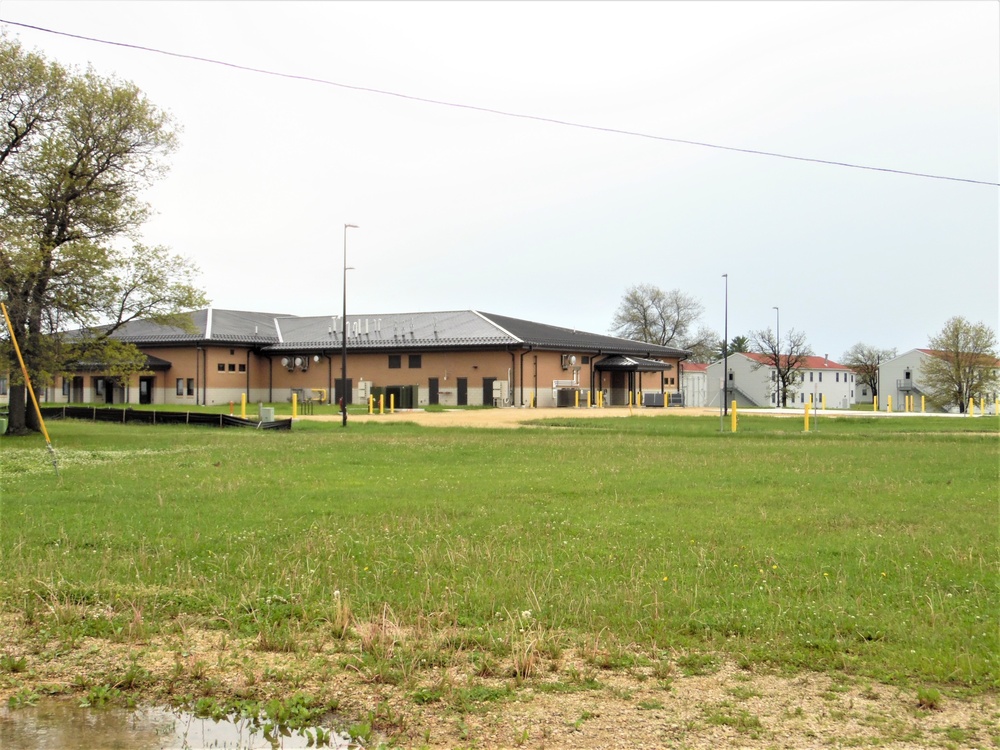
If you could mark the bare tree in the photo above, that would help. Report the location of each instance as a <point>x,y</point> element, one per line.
<point>964,364</point>
<point>865,361</point>
<point>647,313</point>
<point>785,364</point>
<point>703,345</point>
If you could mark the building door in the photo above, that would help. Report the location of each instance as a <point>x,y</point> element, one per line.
<point>619,388</point>
<point>463,391</point>
<point>146,390</point>
<point>488,391</point>
<point>77,388</point>
<point>338,390</point>
<point>432,391</point>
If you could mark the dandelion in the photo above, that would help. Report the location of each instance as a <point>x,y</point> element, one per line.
<point>665,577</point>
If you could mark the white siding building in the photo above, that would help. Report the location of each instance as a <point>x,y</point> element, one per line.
<point>752,382</point>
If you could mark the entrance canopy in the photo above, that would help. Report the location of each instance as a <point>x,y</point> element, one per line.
<point>621,363</point>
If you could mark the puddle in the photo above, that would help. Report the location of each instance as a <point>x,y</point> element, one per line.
<point>61,725</point>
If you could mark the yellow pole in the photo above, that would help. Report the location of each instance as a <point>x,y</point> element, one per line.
<point>733,409</point>
<point>588,399</point>
<point>295,405</point>
<point>31,391</point>
<point>923,404</point>
<point>888,403</point>
<point>577,399</point>
<point>371,404</point>
<point>381,403</point>
<point>807,415</point>
<point>630,399</point>
<point>392,403</point>
<point>982,406</point>
<point>824,402</point>
<point>972,408</point>
<point>874,403</point>
<point>243,406</point>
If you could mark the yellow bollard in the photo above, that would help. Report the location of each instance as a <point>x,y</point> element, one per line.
<point>874,403</point>
<point>733,408</point>
<point>576,398</point>
<point>807,415</point>
<point>371,404</point>
<point>630,399</point>
<point>392,403</point>
<point>982,406</point>
<point>824,402</point>
<point>381,403</point>
<point>972,408</point>
<point>923,404</point>
<point>295,405</point>
<point>588,399</point>
<point>243,406</point>
<point>888,403</point>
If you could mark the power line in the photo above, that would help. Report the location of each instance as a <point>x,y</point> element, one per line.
<point>500,112</point>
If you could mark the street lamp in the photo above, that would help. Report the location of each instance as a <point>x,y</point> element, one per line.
<point>343,360</point>
<point>777,356</point>
<point>725,352</point>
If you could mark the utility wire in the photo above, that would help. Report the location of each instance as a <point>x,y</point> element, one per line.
<point>500,112</point>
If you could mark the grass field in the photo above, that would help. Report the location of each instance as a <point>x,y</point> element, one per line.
<point>868,548</point>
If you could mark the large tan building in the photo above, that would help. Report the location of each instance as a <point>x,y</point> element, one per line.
<point>454,358</point>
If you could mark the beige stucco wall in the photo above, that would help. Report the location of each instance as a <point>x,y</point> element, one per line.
<point>526,376</point>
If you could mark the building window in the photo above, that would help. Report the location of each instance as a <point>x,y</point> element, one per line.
<point>810,377</point>
<point>414,362</point>
<point>99,386</point>
<point>395,361</point>
<point>180,386</point>
<point>190,386</point>
<point>232,352</point>
<point>3,385</point>
<point>820,377</point>
<point>243,368</point>
<point>222,367</point>
<point>837,376</point>
<point>906,375</point>
<point>802,398</point>
<point>232,367</point>
<point>65,386</point>
<point>584,360</point>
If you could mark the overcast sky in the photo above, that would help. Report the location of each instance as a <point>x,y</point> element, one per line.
<point>464,209</point>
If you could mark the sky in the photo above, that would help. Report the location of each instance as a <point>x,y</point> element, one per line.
<point>552,215</point>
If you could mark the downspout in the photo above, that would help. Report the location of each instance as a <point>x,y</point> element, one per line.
<point>513,364</point>
<point>204,372</point>
<point>270,379</point>
<point>521,376</point>
<point>329,378</point>
<point>248,374</point>
<point>535,379</point>
<point>196,380</point>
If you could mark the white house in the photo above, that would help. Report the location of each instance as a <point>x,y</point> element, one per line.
<point>903,376</point>
<point>694,384</point>
<point>753,382</point>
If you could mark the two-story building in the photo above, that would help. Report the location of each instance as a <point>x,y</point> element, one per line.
<point>752,381</point>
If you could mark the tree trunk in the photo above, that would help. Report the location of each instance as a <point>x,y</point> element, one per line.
<point>17,411</point>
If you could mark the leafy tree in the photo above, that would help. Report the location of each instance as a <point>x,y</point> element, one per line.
<point>865,361</point>
<point>738,345</point>
<point>964,364</point>
<point>78,150</point>
<point>766,344</point>
<point>647,313</point>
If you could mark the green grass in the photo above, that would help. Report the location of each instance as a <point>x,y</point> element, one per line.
<point>868,547</point>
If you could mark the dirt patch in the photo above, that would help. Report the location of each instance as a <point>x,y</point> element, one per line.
<point>505,418</point>
<point>567,702</point>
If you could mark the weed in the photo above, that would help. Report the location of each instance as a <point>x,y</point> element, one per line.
<point>23,697</point>
<point>10,663</point>
<point>650,705</point>
<point>928,699</point>
<point>696,664</point>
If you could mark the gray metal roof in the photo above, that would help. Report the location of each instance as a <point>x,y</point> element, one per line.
<point>455,329</point>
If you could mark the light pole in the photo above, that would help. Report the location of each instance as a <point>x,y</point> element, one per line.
<point>725,352</point>
<point>343,360</point>
<point>777,356</point>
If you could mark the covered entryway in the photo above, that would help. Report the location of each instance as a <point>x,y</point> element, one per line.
<point>620,375</point>
<point>146,389</point>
